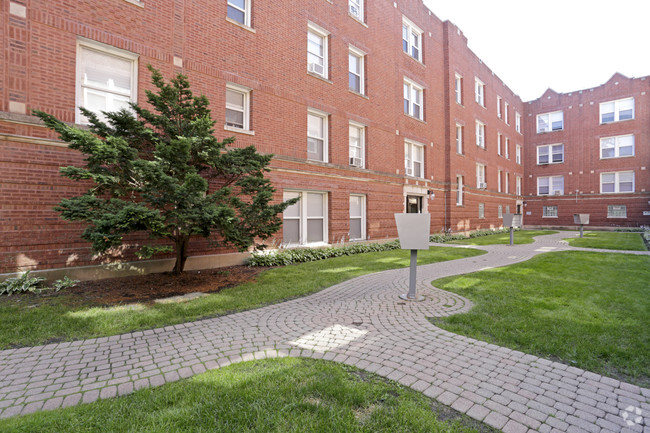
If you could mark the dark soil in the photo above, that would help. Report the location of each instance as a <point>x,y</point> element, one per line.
<point>147,288</point>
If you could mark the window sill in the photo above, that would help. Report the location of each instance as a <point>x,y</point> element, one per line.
<point>617,217</point>
<point>618,192</point>
<point>414,177</point>
<point>358,94</point>
<point>460,205</point>
<point>238,130</point>
<point>363,167</point>
<point>136,3</point>
<point>617,157</point>
<point>413,58</point>
<point>615,121</point>
<point>320,77</point>
<point>243,26</point>
<point>356,18</point>
<point>549,216</point>
<point>415,118</point>
<point>460,154</point>
<point>548,132</point>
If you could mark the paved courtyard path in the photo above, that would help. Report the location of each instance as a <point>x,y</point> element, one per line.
<point>360,322</point>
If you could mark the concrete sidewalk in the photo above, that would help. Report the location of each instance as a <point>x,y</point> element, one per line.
<point>360,322</point>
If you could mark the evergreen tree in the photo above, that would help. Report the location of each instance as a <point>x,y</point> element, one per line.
<point>164,173</point>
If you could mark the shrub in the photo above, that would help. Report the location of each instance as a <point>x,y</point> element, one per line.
<point>65,283</point>
<point>21,284</point>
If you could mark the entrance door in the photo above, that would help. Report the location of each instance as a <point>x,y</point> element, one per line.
<point>413,204</point>
<point>518,209</point>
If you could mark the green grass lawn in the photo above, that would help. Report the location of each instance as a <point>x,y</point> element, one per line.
<point>27,320</point>
<point>282,395</point>
<point>610,241</point>
<point>590,310</point>
<point>520,237</point>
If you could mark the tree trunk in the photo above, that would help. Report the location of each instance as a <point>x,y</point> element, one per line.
<point>181,254</point>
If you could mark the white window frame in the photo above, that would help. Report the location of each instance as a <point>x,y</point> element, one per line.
<point>361,217</point>
<point>361,129</point>
<point>411,30</point>
<point>499,143</point>
<point>480,176</point>
<point>518,154</point>
<point>458,89</point>
<point>479,92</point>
<point>549,211</point>
<point>361,56</point>
<point>409,159</point>
<point>518,185</point>
<point>506,113</point>
<point>325,117</point>
<point>499,112</point>
<point>246,11</point>
<point>459,190</point>
<point>518,122</point>
<point>612,212</point>
<point>499,174</point>
<point>481,211</point>
<point>82,88</point>
<point>480,134</point>
<point>304,218</point>
<point>549,121</point>
<point>323,34</point>
<point>617,146</point>
<point>551,149</point>
<point>506,147</point>
<point>411,88</point>
<point>355,9</point>
<point>551,188</point>
<point>617,110</point>
<point>459,139</point>
<point>246,93</point>
<point>500,212</point>
<point>617,182</point>
<point>507,183</point>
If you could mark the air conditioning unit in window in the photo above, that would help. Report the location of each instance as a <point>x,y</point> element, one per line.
<point>557,192</point>
<point>356,162</point>
<point>409,171</point>
<point>316,68</point>
<point>482,185</point>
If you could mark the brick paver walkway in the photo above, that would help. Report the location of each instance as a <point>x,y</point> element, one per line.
<point>361,322</point>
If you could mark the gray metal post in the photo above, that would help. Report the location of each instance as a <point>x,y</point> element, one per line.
<point>412,294</point>
<point>512,236</point>
<point>582,226</point>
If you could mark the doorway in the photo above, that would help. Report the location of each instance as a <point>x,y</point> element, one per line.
<point>413,204</point>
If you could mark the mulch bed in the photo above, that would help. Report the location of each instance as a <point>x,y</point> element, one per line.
<point>147,288</point>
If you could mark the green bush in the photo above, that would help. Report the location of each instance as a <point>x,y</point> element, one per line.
<point>448,237</point>
<point>299,255</point>
<point>21,284</point>
<point>64,283</point>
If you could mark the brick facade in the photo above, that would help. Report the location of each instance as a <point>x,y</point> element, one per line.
<point>268,56</point>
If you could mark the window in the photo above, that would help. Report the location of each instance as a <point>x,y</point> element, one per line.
<point>499,104</point>
<point>549,212</point>
<point>480,176</point>
<point>550,185</point>
<point>357,217</point>
<point>480,134</point>
<point>619,181</point>
<point>506,113</point>
<point>356,71</point>
<point>237,107</point>
<point>499,143</point>
<point>411,39</point>
<point>615,111</point>
<point>507,208</point>
<point>459,89</point>
<point>357,144</point>
<point>550,122</point>
<point>499,174</point>
<point>507,183</point>
<point>356,9</point>
<point>518,122</point>
<point>550,154</point>
<point>306,221</point>
<point>317,50</point>
<point>414,159</point>
<point>507,148</point>
<point>106,79</point>
<point>481,210</point>
<point>459,191</point>
<point>317,136</point>
<point>500,214</point>
<point>239,10</point>
<point>459,139</point>
<point>518,185</point>
<point>617,147</point>
<point>479,92</point>
<point>413,99</point>
<point>518,154</point>
<point>617,211</point>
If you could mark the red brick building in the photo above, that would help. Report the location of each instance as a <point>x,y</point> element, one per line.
<point>370,108</point>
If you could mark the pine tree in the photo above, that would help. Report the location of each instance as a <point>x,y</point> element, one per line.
<point>164,173</point>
